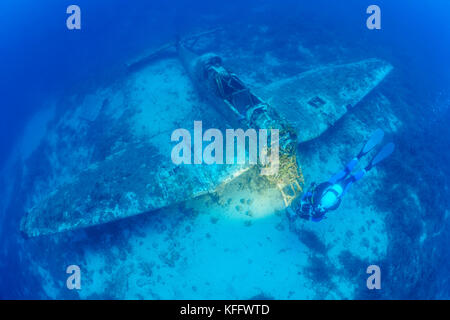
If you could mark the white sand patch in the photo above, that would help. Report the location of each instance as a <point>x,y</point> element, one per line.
<point>221,250</point>
<point>49,285</point>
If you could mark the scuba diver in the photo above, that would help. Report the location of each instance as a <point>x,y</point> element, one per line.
<point>327,196</point>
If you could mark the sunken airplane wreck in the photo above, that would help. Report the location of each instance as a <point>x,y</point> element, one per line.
<point>135,174</point>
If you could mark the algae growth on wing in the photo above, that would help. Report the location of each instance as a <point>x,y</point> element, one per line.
<point>314,100</point>
<point>138,176</point>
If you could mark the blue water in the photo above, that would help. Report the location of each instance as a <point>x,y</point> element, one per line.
<point>41,60</point>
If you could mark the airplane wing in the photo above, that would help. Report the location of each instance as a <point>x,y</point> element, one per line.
<point>135,180</point>
<point>314,100</point>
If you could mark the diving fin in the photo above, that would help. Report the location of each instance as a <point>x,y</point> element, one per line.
<point>375,139</point>
<point>383,154</point>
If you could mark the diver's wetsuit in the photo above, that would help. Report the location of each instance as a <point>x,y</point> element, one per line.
<point>309,207</point>
<point>310,202</point>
